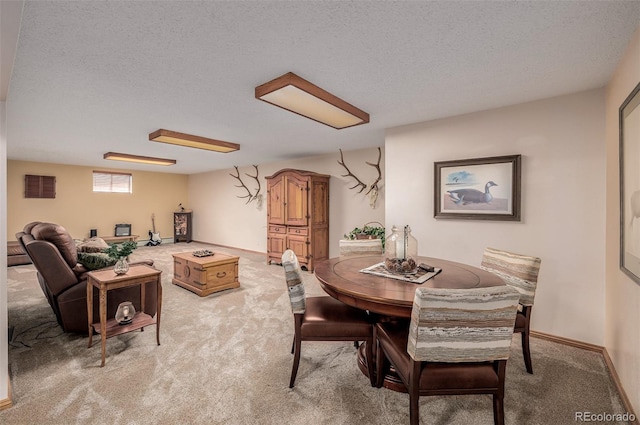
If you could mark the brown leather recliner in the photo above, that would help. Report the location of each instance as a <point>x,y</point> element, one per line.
<point>64,281</point>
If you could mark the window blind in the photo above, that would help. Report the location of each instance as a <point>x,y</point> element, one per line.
<point>105,181</point>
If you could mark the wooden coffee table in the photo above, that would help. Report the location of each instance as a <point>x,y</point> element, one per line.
<point>205,275</point>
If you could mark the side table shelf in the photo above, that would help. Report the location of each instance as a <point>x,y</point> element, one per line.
<point>140,320</point>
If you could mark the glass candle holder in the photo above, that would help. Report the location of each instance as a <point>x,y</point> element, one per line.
<point>401,250</point>
<point>125,313</point>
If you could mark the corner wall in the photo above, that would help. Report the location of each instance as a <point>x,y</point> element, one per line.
<point>622,294</point>
<point>563,195</point>
<point>220,217</point>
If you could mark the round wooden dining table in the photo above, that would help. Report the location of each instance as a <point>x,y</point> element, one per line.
<point>342,279</point>
<point>391,299</point>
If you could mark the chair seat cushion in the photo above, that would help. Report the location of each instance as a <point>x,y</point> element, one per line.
<point>328,317</point>
<point>450,376</point>
<point>521,321</point>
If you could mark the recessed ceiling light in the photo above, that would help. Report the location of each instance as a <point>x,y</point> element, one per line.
<point>137,158</point>
<point>188,140</point>
<point>298,95</point>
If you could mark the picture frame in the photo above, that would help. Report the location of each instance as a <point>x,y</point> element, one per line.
<point>629,127</point>
<point>478,189</point>
<point>122,230</point>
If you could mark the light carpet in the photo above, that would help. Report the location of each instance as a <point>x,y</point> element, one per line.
<point>225,359</point>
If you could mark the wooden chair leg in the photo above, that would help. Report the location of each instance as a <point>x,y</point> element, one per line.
<point>414,393</point>
<point>498,410</point>
<point>526,353</point>
<point>356,344</point>
<point>296,361</point>
<point>293,344</point>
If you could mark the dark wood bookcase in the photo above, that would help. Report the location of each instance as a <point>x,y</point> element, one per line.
<point>182,226</point>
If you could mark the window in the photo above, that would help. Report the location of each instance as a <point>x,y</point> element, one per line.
<point>39,186</point>
<point>106,181</point>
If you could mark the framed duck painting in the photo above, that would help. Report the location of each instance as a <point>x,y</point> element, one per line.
<point>478,189</point>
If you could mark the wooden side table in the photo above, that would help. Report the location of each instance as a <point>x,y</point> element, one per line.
<point>106,280</point>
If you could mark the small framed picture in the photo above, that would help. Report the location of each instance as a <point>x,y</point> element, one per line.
<point>478,189</point>
<point>123,230</point>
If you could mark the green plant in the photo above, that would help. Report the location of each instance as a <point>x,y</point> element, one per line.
<point>120,250</point>
<point>367,232</point>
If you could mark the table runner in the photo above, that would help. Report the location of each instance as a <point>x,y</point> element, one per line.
<point>420,276</point>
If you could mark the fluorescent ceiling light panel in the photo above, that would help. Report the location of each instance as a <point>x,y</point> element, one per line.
<point>190,141</point>
<point>140,159</point>
<point>298,95</point>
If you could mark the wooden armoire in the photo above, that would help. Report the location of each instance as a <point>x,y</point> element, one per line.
<point>298,216</point>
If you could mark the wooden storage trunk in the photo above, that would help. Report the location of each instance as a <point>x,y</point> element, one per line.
<point>205,275</point>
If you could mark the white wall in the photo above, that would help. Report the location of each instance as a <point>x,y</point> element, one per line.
<point>4,345</point>
<point>623,295</point>
<point>220,217</point>
<point>563,197</point>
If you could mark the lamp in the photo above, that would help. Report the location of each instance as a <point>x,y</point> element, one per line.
<point>299,96</point>
<point>188,140</point>
<point>136,158</point>
<point>125,313</point>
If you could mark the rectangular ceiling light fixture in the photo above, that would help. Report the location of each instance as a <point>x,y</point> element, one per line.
<point>298,95</point>
<point>188,140</point>
<point>136,158</point>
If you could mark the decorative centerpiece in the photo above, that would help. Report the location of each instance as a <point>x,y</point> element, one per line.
<point>203,253</point>
<point>401,250</point>
<point>120,252</point>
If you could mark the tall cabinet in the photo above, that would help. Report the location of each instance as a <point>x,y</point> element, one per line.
<point>182,226</point>
<point>298,216</point>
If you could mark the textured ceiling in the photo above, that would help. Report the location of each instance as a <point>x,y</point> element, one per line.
<point>91,77</point>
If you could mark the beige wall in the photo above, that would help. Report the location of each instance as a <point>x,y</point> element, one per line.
<point>622,294</point>
<point>221,217</point>
<point>79,209</point>
<point>563,195</point>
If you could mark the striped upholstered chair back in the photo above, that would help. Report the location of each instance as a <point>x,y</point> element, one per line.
<point>462,325</point>
<point>293,276</point>
<point>519,271</point>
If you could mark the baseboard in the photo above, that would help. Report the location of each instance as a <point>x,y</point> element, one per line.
<point>607,361</point>
<point>6,403</point>
<point>567,341</point>
<point>233,247</point>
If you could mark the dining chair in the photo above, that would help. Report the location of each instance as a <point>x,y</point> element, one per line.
<point>457,343</point>
<point>360,247</point>
<point>520,272</point>
<point>323,318</point>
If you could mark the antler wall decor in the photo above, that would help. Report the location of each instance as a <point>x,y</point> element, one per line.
<point>249,196</point>
<point>373,187</point>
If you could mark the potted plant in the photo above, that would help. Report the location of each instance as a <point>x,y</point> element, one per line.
<point>120,252</point>
<point>371,230</point>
